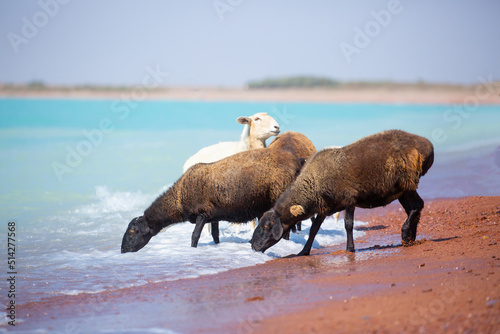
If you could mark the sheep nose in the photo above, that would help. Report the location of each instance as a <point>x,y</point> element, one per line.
<point>277,127</point>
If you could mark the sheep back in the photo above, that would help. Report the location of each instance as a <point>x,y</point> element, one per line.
<point>388,159</point>
<point>370,172</point>
<point>216,152</point>
<point>294,142</point>
<point>238,188</point>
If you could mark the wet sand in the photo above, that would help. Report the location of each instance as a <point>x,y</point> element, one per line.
<point>448,282</point>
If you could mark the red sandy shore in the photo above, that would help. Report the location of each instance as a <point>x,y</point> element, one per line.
<point>449,282</point>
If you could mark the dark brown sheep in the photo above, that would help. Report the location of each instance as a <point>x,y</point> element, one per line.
<point>371,172</point>
<point>294,142</point>
<point>299,145</point>
<point>238,188</point>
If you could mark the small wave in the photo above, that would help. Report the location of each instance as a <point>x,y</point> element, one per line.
<point>482,145</point>
<point>87,257</point>
<point>154,330</point>
<point>78,292</point>
<point>114,202</point>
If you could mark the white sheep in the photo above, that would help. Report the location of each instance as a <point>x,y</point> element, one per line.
<point>257,129</point>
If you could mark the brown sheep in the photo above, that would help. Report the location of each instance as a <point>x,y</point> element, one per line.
<point>299,145</point>
<point>238,188</point>
<point>294,142</point>
<point>369,173</point>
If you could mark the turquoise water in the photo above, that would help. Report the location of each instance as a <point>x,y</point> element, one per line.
<point>75,172</point>
<point>142,146</point>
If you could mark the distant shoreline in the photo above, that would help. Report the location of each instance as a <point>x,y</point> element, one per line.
<point>393,94</point>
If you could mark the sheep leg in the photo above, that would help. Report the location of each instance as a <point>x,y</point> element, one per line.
<point>237,226</point>
<point>349,224</point>
<point>206,230</point>
<point>252,225</point>
<point>215,231</point>
<point>200,222</point>
<point>295,228</point>
<point>336,217</point>
<point>413,205</point>
<point>316,223</point>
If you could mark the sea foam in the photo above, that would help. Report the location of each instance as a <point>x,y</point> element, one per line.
<point>86,257</point>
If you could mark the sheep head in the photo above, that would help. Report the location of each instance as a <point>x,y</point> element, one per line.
<point>262,126</point>
<point>137,235</point>
<point>268,232</point>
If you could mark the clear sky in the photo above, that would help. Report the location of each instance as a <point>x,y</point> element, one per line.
<point>229,42</point>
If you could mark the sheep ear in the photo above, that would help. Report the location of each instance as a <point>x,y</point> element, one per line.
<point>297,210</point>
<point>243,120</point>
<point>277,230</point>
<point>143,227</point>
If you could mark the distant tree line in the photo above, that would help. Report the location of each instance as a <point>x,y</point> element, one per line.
<point>306,82</point>
<point>289,82</point>
<point>319,82</point>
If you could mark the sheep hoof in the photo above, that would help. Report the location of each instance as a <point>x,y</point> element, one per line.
<point>350,249</point>
<point>290,256</point>
<point>408,242</point>
<point>407,239</point>
<point>303,254</point>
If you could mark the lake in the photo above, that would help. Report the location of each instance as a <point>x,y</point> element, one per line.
<point>75,172</point>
